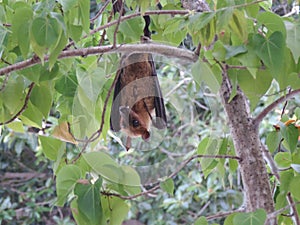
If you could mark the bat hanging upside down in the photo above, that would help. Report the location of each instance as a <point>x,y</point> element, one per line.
<point>138,100</point>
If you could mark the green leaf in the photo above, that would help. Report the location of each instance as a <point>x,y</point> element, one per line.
<point>273,140</point>
<point>254,88</point>
<point>229,219</point>
<point>106,167</point>
<point>202,72</point>
<point>132,29</point>
<point>285,179</point>
<point>168,186</point>
<point>84,14</point>
<point>32,116</point>
<point>16,126</point>
<point>232,51</point>
<point>89,201</point>
<point>20,27</point>
<point>273,22</point>
<point>283,159</point>
<point>11,98</point>
<point>48,74</point>
<point>45,31</point>
<point>130,177</point>
<point>3,39</point>
<point>293,38</point>
<point>258,218</point>
<point>51,146</point>
<point>201,221</point>
<point>56,50</point>
<point>270,51</point>
<point>68,4</point>
<point>91,82</point>
<point>115,209</point>
<point>65,182</point>
<point>41,97</point>
<point>290,134</point>
<point>238,26</point>
<point>294,187</point>
<point>67,85</point>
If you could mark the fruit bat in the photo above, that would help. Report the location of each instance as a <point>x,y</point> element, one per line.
<point>137,101</point>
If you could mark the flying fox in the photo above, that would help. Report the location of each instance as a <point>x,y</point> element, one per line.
<point>137,100</point>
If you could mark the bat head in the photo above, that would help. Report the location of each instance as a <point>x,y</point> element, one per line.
<point>133,124</point>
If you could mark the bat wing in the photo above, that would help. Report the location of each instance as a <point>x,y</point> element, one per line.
<point>160,122</point>
<point>115,112</point>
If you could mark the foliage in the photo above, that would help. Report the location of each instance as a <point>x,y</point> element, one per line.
<point>53,109</point>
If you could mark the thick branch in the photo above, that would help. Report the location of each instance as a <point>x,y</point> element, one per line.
<point>154,48</point>
<point>272,106</point>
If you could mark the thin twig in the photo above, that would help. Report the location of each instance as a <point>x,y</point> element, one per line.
<point>269,108</point>
<point>23,107</point>
<point>223,214</point>
<point>181,166</point>
<point>118,24</point>
<point>293,209</point>
<point>100,11</point>
<point>285,105</point>
<point>279,211</point>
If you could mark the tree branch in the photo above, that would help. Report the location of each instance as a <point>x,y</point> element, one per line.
<point>23,107</point>
<point>154,48</point>
<point>269,108</point>
<point>182,165</point>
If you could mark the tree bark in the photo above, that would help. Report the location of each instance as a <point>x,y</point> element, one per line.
<point>244,132</point>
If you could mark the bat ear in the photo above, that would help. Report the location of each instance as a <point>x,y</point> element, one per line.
<point>146,135</point>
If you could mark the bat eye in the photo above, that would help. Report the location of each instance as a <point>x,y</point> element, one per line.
<point>135,123</point>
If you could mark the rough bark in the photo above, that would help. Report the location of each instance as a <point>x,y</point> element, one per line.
<point>244,132</point>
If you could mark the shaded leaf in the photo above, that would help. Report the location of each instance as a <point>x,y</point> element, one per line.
<point>89,201</point>
<point>270,51</point>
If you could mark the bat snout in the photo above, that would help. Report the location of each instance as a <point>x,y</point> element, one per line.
<point>146,136</point>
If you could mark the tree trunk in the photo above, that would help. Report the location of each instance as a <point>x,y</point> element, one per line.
<point>257,191</point>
